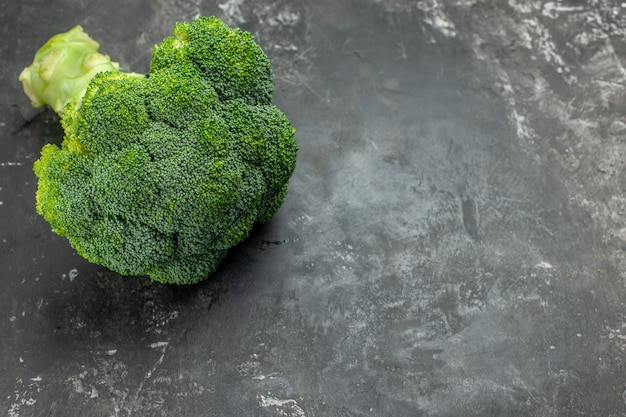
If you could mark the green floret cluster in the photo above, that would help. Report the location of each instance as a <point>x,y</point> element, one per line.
<point>161,174</point>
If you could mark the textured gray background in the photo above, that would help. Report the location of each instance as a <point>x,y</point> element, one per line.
<point>453,242</point>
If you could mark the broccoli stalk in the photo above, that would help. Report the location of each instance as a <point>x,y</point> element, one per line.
<point>161,174</point>
<point>63,68</point>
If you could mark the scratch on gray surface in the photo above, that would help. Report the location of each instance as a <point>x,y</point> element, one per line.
<point>72,274</point>
<point>552,10</point>
<point>470,217</point>
<point>325,100</point>
<point>232,12</point>
<point>285,18</point>
<point>24,394</point>
<point>436,17</point>
<point>148,375</point>
<point>284,407</point>
<point>79,386</point>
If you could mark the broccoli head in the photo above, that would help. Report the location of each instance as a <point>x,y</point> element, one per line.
<point>161,174</point>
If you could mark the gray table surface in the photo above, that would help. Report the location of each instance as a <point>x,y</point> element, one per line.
<point>453,242</point>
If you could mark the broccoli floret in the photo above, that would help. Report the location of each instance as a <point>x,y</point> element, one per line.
<point>229,59</point>
<point>161,174</point>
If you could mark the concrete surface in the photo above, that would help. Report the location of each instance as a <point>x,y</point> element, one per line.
<point>453,242</point>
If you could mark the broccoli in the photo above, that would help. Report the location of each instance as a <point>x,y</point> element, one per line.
<point>160,174</point>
